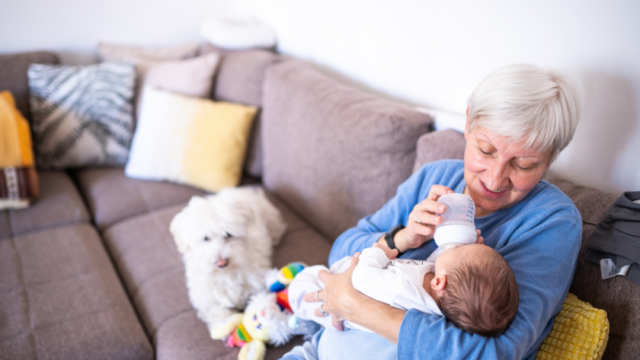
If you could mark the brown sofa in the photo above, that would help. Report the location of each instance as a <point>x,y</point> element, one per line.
<point>91,271</point>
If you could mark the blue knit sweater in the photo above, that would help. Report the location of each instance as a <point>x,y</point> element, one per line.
<point>539,237</point>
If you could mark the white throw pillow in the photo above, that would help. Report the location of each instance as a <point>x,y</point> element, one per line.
<point>189,140</point>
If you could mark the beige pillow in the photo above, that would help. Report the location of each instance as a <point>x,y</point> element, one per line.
<point>191,141</point>
<point>191,77</point>
<point>119,52</point>
<point>144,58</point>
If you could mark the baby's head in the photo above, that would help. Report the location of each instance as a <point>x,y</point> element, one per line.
<point>476,289</point>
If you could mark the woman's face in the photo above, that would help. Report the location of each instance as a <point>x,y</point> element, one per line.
<point>498,172</point>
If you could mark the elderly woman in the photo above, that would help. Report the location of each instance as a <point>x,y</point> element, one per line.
<point>519,118</point>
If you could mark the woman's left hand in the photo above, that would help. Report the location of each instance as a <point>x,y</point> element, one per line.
<point>338,298</point>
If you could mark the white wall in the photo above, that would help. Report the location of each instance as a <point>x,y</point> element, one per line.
<point>433,53</point>
<point>74,27</point>
<point>424,52</point>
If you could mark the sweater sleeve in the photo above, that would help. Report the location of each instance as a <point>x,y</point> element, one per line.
<point>372,279</point>
<point>542,255</point>
<point>396,211</point>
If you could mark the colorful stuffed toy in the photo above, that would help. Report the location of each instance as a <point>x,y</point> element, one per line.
<point>267,319</point>
<point>262,322</point>
<point>278,280</point>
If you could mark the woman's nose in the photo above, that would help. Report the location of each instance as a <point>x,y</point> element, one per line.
<point>498,178</point>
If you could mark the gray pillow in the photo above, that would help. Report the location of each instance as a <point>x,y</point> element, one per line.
<point>81,115</point>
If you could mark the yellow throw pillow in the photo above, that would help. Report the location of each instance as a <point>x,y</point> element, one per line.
<point>189,140</point>
<point>18,178</point>
<point>579,332</point>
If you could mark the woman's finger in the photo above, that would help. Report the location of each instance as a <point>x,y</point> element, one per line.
<point>313,296</point>
<point>438,190</point>
<point>321,312</point>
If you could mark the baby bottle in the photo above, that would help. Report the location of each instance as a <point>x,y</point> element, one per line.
<point>457,227</point>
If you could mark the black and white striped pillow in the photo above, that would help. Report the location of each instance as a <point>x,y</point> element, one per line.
<point>81,115</point>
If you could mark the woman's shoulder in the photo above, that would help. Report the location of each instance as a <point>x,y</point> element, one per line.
<point>442,172</point>
<point>549,196</point>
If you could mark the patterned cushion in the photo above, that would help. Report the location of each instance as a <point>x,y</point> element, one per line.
<point>82,115</point>
<point>579,331</point>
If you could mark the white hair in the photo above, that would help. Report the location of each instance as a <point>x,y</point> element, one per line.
<point>527,103</point>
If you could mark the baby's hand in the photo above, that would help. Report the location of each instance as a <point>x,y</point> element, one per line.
<point>391,254</point>
<point>480,239</point>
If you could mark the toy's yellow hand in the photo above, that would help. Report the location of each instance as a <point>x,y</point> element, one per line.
<point>220,331</point>
<point>253,350</point>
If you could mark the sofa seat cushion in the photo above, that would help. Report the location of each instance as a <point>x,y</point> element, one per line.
<point>111,196</point>
<point>59,203</point>
<point>332,153</point>
<point>153,274</point>
<point>60,298</point>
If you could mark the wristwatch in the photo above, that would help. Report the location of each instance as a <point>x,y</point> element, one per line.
<point>388,237</point>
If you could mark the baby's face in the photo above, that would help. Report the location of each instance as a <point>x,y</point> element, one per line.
<point>449,259</point>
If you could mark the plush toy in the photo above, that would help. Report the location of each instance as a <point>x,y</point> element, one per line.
<point>267,319</point>
<point>278,280</point>
<point>262,322</point>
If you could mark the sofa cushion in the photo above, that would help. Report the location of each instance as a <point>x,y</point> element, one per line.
<point>332,153</point>
<point>13,75</point>
<point>240,79</point>
<point>153,273</point>
<point>61,299</point>
<point>617,296</point>
<point>111,196</point>
<point>59,203</point>
<point>439,145</point>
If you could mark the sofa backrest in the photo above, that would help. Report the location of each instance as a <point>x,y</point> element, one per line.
<point>332,153</point>
<point>617,296</point>
<point>13,75</point>
<point>239,79</point>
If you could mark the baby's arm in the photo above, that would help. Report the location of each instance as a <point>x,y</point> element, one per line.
<point>307,282</point>
<point>374,278</point>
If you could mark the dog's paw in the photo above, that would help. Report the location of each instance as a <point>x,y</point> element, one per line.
<point>224,328</point>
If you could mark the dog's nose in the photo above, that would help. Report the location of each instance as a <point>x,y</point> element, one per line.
<point>222,263</point>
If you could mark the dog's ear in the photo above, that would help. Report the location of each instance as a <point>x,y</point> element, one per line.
<point>178,225</point>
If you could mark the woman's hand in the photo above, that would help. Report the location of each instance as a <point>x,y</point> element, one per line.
<point>338,298</point>
<point>422,220</point>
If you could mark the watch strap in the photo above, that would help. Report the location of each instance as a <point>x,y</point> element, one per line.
<point>388,237</point>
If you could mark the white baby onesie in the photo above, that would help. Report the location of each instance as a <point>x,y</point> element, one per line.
<point>398,283</point>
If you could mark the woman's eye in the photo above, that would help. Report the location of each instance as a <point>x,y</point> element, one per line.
<point>484,152</point>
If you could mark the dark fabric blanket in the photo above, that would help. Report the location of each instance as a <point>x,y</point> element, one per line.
<point>617,236</point>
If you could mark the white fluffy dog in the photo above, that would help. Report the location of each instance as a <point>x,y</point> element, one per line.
<point>226,242</point>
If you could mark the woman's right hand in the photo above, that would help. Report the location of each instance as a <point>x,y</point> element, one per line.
<point>422,220</point>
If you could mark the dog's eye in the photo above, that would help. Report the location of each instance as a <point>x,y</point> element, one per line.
<point>227,235</point>
<point>206,238</point>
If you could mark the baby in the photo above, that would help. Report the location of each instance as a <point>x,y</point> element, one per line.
<point>471,285</point>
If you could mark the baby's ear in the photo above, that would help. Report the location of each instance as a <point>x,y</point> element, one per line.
<point>439,283</point>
